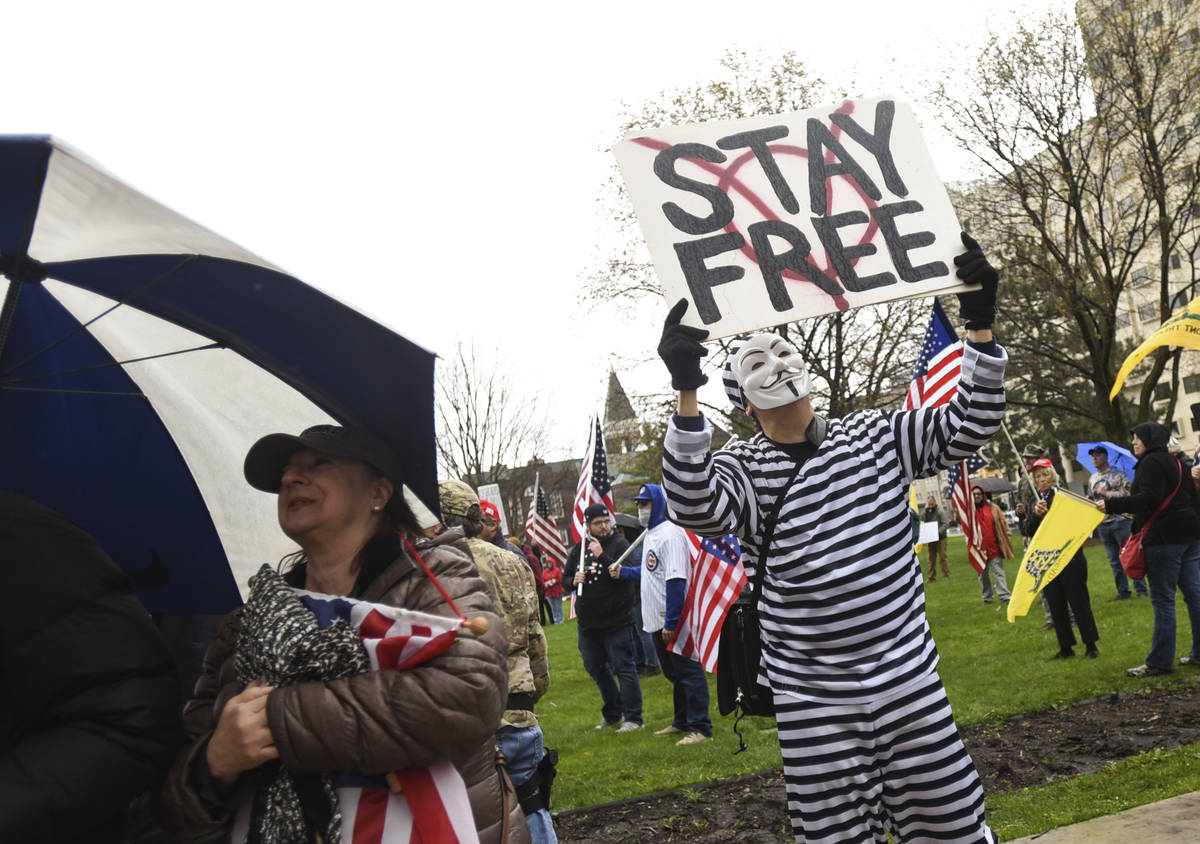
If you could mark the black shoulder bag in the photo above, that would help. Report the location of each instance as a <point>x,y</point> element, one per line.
<point>739,651</point>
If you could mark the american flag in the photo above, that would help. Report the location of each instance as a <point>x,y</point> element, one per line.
<point>717,580</point>
<point>422,804</point>
<point>935,377</point>
<point>540,529</point>
<point>964,507</point>
<point>594,487</point>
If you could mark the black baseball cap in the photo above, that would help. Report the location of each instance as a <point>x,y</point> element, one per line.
<point>1098,449</point>
<point>267,457</point>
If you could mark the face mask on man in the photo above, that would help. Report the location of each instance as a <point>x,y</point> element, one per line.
<point>644,516</point>
<point>770,372</point>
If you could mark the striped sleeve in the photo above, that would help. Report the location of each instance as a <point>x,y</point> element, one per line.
<point>706,493</point>
<point>931,439</point>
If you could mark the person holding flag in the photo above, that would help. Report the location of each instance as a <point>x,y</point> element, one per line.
<point>302,757</point>
<point>996,543</point>
<point>604,608</point>
<point>868,738</point>
<point>663,578</point>
<point>1069,587</point>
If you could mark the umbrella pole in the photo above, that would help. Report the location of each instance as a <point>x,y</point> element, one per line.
<point>9,311</point>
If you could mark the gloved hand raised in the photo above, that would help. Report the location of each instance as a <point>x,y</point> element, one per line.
<point>681,350</point>
<point>976,307</point>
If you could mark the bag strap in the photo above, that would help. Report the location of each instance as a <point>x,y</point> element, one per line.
<point>760,570</point>
<point>1167,500</point>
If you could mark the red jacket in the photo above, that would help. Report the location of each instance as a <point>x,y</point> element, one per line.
<point>552,576</point>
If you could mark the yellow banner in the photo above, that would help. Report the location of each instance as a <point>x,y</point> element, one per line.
<point>1182,329</point>
<point>1069,522</point>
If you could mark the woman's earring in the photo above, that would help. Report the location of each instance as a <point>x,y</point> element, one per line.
<point>376,509</point>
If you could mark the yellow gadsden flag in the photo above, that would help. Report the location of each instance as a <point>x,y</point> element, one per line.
<point>1182,329</point>
<point>1069,522</point>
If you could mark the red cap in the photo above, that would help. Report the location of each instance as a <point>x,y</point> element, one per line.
<point>490,509</point>
<point>1040,463</point>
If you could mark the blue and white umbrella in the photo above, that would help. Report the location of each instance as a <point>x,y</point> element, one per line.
<point>141,355</point>
<point>1122,458</point>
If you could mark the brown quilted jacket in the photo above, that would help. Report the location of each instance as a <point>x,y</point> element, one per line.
<point>448,707</point>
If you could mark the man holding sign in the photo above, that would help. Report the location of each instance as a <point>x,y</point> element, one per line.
<point>868,739</point>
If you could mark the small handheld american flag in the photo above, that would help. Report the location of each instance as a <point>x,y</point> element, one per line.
<point>716,581</point>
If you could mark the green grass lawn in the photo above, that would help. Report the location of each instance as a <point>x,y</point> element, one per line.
<point>992,669</point>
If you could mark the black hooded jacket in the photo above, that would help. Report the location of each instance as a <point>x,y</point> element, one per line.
<point>91,714</point>
<point>606,603</point>
<point>1154,478</point>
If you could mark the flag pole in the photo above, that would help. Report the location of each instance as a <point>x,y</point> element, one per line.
<point>583,534</point>
<point>1020,460</point>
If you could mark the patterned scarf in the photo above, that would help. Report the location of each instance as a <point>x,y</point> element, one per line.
<point>281,644</point>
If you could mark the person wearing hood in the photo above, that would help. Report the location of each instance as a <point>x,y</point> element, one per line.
<point>821,507</point>
<point>1171,545</point>
<point>1067,593</point>
<point>664,580</point>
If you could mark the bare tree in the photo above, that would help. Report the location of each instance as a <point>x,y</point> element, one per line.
<point>486,425</point>
<point>1085,139</point>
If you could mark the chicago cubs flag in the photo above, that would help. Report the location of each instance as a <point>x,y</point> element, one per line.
<point>717,580</point>
<point>417,805</point>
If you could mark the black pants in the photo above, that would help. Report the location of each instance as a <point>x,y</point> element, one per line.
<point>1070,588</point>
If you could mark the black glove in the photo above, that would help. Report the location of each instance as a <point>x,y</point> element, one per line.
<point>681,350</point>
<point>976,307</point>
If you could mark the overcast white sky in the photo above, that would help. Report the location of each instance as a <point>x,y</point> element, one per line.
<point>435,165</point>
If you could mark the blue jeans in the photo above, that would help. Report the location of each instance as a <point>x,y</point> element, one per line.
<point>608,653</point>
<point>522,747</point>
<point>1113,535</point>
<point>556,614</point>
<point>1168,566</point>
<point>690,689</point>
<point>644,655</point>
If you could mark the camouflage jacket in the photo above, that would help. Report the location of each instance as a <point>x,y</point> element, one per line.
<point>510,583</point>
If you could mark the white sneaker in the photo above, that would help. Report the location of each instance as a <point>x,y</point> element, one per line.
<point>692,738</point>
<point>669,730</point>
<point>604,725</point>
<point>628,727</point>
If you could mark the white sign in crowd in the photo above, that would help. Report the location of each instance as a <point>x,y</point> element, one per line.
<point>771,219</point>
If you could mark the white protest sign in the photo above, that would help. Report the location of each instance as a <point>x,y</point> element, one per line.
<point>929,533</point>
<point>491,492</point>
<point>767,220</point>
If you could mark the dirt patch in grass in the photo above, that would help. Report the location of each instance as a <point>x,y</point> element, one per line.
<point>1027,750</point>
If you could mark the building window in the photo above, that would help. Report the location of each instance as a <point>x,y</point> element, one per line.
<point>1148,312</point>
<point>1123,320</point>
<point>1162,392</point>
<point>1175,262</point>
<point>1191,383</point>
<point>1140,275</point>
<point>1125,206</point>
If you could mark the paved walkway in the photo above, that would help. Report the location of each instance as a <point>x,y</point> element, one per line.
<point>1173,820</point>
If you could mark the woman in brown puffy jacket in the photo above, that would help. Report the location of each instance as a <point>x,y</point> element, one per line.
<point>264,758</point>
